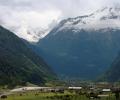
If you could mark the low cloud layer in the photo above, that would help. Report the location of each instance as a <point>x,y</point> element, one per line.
<point>44,13</point>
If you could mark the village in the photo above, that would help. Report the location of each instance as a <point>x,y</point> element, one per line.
<point>96,91</point>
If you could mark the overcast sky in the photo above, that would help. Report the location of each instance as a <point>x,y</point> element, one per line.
<point>41,13</point>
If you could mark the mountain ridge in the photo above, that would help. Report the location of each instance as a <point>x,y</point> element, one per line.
<point>100,19</point>
<point>19,64</point>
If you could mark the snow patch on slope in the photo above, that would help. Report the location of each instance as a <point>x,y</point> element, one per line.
<point>107,17</point>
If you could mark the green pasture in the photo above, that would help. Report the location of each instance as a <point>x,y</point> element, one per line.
<point>52,96</point>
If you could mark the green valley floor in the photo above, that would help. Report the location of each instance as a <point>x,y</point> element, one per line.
<point>53,96</point>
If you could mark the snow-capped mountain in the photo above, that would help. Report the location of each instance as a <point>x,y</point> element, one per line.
<point>108,17</point>
<point>84,46</point>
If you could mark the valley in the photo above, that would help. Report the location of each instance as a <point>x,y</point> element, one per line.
<point>63,93</point>
<point>53,51</point>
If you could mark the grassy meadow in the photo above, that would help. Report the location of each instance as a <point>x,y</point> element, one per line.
<point>36,95</point>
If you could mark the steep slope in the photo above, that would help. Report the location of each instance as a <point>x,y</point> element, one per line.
<point>18,64</point>
<point>113,74</point>
<point>85,46</point>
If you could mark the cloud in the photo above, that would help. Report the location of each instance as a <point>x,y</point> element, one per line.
<point>12,15</point>
<point>41,13</point>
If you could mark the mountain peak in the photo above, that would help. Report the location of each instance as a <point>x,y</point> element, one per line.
<point>107,17</point>
<point>108,12</point>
